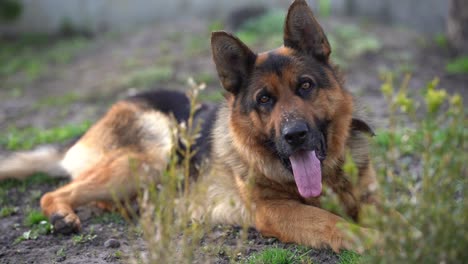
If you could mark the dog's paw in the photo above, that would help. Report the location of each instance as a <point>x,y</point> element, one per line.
<point>65,223</point>
<point>353,237</point>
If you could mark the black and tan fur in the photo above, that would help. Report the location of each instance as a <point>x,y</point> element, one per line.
<point>247,140</point>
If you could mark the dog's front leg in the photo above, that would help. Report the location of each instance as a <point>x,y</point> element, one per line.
<point>292,221</point>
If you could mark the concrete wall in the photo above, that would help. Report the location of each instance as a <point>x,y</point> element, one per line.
<point>95,15</point>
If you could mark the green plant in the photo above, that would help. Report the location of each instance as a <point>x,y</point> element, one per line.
<point>421,169</point>
<point>458,65</point>
<point>61,252</point>
<point>38,224</point>
<point>7,211</point>
<point>164,210</point>
<point>349,257</point>
<point>10,10</point>
<point>34,217</point>
<point>273,256</point>
<point>441,40</point>
<point>83,238</point>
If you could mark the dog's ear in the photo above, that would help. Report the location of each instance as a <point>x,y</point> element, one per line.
<point>360,125</point>
<point>303,33</point>
<point>234,60</point>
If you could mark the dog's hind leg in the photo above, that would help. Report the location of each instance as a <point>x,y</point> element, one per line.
<point>116,177</point>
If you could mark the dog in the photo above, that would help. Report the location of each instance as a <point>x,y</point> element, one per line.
<point>284,129</point>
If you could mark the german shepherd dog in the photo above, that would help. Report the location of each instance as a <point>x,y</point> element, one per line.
<point>287,123</point>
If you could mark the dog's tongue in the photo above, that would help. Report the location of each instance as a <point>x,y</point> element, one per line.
<point>307,173</point>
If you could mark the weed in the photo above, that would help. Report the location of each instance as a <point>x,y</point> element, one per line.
<point>441,40</point>
<point>61,252</point>
<point>83,238</point>
<point>273,256</point>
<point>39,225</point>
<point>160,201</point>
<point>7,211</point>
<point>458,65</point>
<point>118,254</point>
<point>34,217</point>
<point>421,171</point>
<point>298,254</point>
<point>349,257</point>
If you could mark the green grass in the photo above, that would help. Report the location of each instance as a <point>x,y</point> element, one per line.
<point>276,256</point>
<point>36,179</point>
<point>298,255</point>
<point>32,55</point>
<point>349,257</point>
<point>458,65</point>
<point>27,138</point>
<point>83,238</point>
<point>7,211</point>
<point>34,217</point>
<point>144,78</point>
<point>57,101</point>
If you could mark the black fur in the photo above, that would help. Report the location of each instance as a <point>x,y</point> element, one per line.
<point>274,63</point>
<point>168,102</point>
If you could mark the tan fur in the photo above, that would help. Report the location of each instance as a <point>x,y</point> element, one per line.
<point>105,163</point>
<point>22,164</point>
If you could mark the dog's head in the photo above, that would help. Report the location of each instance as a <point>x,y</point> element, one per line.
<point>289,102</point>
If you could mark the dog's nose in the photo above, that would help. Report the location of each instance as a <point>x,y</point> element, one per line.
<point>296,133</point>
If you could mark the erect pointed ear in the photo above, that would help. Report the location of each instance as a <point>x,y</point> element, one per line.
<point>359,125</point>
<point>303,33</point>
<point>234,60</point>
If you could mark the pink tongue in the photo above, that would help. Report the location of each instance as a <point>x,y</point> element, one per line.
<point>307,173</point>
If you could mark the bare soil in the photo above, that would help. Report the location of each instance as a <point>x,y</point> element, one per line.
<point>97,75</point>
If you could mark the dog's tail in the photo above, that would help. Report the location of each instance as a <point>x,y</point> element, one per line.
<point>46,159</point>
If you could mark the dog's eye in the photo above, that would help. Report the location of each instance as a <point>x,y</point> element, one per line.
<point>264,99</point>
<point>305,86</point>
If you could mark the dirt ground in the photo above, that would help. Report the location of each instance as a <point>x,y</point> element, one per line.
<point>108,69</point>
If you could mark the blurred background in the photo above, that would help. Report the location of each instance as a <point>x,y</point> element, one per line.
<point>66,61</point>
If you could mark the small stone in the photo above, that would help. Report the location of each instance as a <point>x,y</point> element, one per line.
<point>112,243</point>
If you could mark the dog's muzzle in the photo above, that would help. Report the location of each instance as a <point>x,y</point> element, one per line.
<point>299,136</point>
